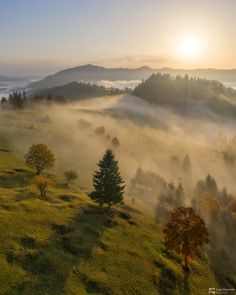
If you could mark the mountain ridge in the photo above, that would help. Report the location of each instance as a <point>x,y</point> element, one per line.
<point>95,73</point>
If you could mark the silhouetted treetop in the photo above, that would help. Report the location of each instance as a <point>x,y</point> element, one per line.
<point>17,100</point>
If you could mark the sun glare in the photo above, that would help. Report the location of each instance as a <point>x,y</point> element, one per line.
<point>190,48</point>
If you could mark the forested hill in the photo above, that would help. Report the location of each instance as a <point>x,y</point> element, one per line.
<point>77,90</point>
<point>89,73</point>
<point>184,94</point>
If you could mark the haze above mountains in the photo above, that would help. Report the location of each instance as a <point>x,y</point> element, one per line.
<point>93,73</point>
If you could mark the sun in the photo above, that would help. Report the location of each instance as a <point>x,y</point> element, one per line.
<point>190,48</point>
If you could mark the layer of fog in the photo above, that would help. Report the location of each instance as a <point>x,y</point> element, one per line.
<point>121,84</point>
<point>230,84</point>
<point>149,136</point>
<point>7,87</point>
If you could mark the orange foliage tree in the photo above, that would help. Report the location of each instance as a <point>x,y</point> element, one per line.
<point>185,233</point>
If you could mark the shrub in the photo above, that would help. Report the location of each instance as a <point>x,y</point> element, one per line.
<point>42,183</point>
<point>70,175</point>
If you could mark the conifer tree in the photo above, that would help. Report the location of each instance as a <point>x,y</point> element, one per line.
<point>180,196</point>
<point>187,165</point>
<point>107,181</point>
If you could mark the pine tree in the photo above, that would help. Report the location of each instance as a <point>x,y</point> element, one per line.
<point>180,196</point>
<point>211,184</point>
<point>107,181</point>
<point>187,165</point>
<point>18,100</point>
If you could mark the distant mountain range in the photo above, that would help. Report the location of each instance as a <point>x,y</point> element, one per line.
<point>7,79</point>
<point>93,73</point>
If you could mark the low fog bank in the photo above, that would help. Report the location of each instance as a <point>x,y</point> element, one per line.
<point>7,87</point>
<point>230,84</point>
<point>167,160</point>
<point>148,137</point>
<point>121,84</point>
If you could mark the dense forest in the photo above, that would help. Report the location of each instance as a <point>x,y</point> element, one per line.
<point>183,94</point>
<point>76,91</point>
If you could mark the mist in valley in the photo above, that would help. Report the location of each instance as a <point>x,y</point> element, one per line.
<point>148,135</point>
<point>166,159</point>
<point>118,147</point>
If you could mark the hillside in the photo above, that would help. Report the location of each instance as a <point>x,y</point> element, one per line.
<point>76,91</point>
<point>67,244</point>
<point>93,73</point>
<point>191,96</point>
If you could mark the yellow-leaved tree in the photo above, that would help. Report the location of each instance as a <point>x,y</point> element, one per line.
<point>39,157</point>
<point>42,182</point>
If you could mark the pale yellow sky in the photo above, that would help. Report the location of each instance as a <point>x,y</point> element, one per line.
<point>45,36</point>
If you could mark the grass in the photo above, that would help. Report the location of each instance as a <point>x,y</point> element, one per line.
<point>68,245</point>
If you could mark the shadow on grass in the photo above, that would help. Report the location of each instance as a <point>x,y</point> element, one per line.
<point>89,225</point>
<point>186,289</point>
<point>16,178</point>
<point>26,196</point>
<point>221,250</point>
<point>50,264</point>
<point>171,282</point>
<point>168,282</point>
<point>5,150</point>
<point>62,185</point>
<point>224,269</point>
<point>67,197</point>
<point>69,187</point>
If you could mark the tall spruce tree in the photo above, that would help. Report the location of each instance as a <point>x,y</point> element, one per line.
<point>186,165</point>
<point>107,181</point>
<point>180,196</point>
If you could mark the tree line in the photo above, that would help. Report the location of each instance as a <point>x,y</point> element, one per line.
<point>184,93</point>
<point>16,100</point>
<point>61,94</point>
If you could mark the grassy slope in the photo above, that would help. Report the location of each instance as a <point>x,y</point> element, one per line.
<point>67,245</point>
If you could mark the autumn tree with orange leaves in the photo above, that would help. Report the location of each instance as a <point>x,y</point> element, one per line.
<point>185,233</point>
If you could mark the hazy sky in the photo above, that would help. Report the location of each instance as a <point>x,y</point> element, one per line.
<point>42,36</point>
